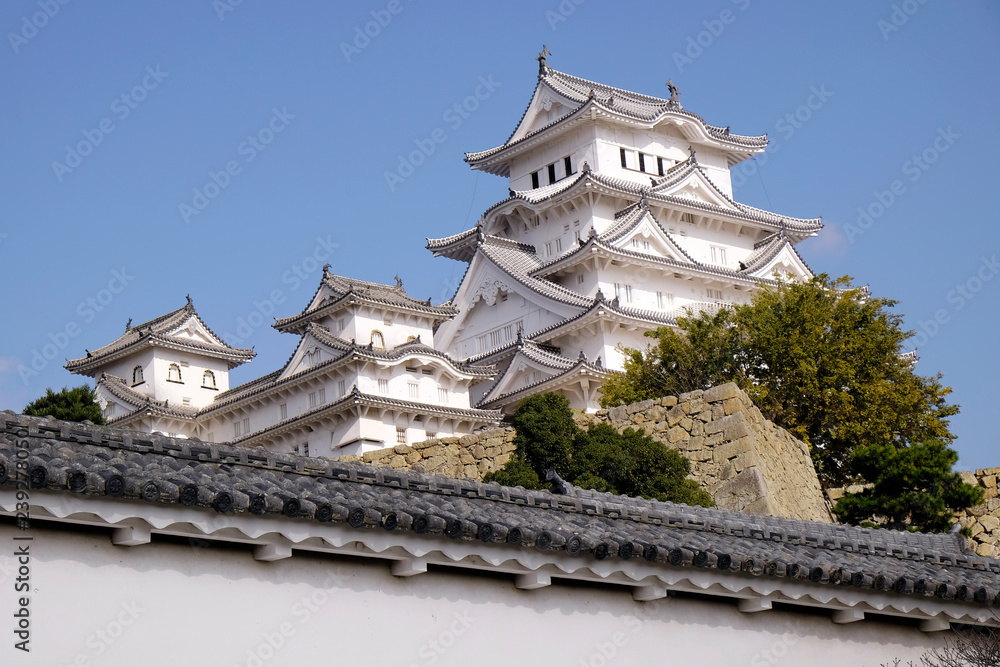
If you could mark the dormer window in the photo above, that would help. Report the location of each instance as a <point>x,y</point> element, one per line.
<point>378,341</point>
<point>208,380</point>
<point>137,376</point>
<point>174,374</point>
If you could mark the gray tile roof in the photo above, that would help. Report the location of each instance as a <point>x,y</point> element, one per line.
<point>140,402</point>
<point>345,291</point>
<point>518,260</point>
<point>616,102</point>
<point>86,461</point>
<point>349,351</point>
<point>154,333</point>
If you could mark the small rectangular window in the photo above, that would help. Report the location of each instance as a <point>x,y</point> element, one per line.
<point>628,294</point>
<point>548,249</point>
<point>642,162</point>
<point>312,399</point>
<point>340,325</point>
<point>414,390</point>
<point>442,395</point>
<point>552,173</point>
<point>341,387</point>
<point>576,236</point>
<point>236,429</point>
<point>322,396</point>
<point>566,227</point>
<point>283,409</point>
<point>383,386</point>
<point>558,245</point>
<point>714,294</point>
<point>624,159</point>
<point>400,435</point>
<point>718,255</point>
<point>534,179</point>
<point>430,371</point>
<point>659,300</point>
<point>659,165</point>
<point>568,163</point>
<point>411,369</point>
<point>579,279</point>
<point>246,425</point>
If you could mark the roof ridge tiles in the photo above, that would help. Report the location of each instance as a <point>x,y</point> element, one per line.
<point>543,520</point>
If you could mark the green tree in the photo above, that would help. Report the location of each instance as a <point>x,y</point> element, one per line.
<point>705,352</point>
<point>912,488</point>
<point>824,360</point>
<point>73,405</point>
<point>599,458</point>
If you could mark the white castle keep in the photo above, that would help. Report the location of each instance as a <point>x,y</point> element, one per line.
<point>620,218</point>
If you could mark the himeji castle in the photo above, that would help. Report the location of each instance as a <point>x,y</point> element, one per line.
<point>620,217</point>
<point>363,376</point>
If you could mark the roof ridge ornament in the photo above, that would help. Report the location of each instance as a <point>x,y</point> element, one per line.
<point>675,95</point>
<point>585,168</point>
<point>543,67</point>
<point>128,325</point>
<point>399,282</point>
<point>692,154</point>
<point>599,297</point>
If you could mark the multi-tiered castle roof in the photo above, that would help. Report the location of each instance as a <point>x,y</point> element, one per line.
<point>620,218</point>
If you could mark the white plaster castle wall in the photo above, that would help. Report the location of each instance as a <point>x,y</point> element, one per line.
<point>185,602</point>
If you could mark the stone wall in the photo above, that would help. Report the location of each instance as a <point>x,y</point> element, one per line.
<point>746,462</point>
<point>983,520</point>
<point>470,456</point>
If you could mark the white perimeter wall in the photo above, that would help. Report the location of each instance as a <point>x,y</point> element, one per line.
<point>187,603</point>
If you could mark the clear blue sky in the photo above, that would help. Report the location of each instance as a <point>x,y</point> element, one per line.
<point>139,103</point>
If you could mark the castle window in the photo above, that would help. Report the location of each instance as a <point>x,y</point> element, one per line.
<point>400,435</point>
<point>378,341</point>
<point>552,173</point>
<point>718,255</point>
<point>558,245</point>
<point>568,163</point>
<point>624,159</point>
<point>414,389</point>
<point>659,165</point>
<point>283,410</point>
<point>642,162</point>
<point>137,376</point>
<point>383,386</point>
<point>534,179</point>
<point>321,394</point>
<point>236,429</point>
<point>341,388</point>
<point>208,380</point>
<point>548,249</point>
<point>312,399</point>
<point>174,373</point>
<point>442,395</point>
<point>714,294</point>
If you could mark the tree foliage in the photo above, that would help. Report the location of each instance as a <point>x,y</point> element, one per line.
<point>600,458</point>
<point>822,359</point>
<point>970,647</point>
<point>912,487</point>
<point>73,405</point>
